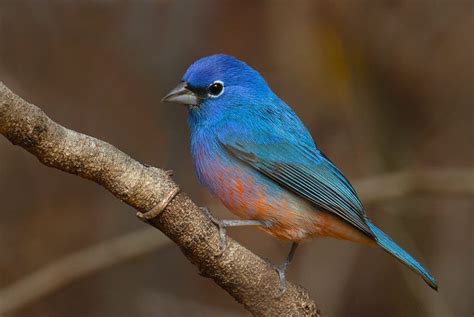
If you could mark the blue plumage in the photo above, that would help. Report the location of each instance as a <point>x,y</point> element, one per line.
<point>253,152</point>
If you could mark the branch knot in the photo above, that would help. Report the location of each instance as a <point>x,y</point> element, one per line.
<point>155,211</point>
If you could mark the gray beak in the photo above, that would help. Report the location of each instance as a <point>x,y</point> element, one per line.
<point>181,94</point>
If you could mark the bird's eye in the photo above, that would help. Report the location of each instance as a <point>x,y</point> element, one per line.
<point>216,89</point>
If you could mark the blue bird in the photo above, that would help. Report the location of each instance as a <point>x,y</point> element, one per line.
<point>252,151</point>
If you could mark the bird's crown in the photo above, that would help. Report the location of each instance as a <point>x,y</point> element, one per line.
<point>222,68</point>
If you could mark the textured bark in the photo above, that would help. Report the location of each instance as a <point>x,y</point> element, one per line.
<point>245,276</point>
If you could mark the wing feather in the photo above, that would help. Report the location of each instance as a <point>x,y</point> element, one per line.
<point>307,173</point>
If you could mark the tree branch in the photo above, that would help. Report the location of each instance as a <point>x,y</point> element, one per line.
<point>99,257</point>
<point>245,276</point>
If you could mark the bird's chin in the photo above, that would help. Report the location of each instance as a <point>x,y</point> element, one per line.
<point>193,107</point>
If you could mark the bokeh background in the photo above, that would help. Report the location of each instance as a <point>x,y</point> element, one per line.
<point>383,86</point>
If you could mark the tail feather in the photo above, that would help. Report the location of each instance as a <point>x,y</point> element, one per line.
<point>391,247</point>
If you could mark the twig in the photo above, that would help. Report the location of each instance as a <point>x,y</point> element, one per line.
<point>77,265</point>
<point>444,181</point>
<point>245,276</point>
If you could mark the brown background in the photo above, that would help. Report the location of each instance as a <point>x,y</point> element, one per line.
<point>382,85</point>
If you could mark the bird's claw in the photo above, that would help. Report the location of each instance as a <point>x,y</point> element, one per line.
<point>281,270</point>
<point>222,230</point>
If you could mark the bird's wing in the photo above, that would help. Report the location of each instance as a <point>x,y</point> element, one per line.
<point>306,172</point>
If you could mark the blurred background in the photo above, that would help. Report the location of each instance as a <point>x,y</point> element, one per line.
<point>383,86</point>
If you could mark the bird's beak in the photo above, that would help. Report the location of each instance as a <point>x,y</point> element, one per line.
<point>181,94</point>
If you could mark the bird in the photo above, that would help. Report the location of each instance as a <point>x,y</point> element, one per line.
<point>253,152</point>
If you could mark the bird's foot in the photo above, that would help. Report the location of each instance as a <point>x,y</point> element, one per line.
<point>281,270</point>
<point>221,226</point>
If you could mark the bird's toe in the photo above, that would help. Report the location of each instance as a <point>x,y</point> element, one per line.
<point>222,231</point>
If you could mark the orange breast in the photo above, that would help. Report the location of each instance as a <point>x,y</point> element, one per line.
<point>253,196</point>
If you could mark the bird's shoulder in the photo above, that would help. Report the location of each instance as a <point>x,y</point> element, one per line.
<point>269,123</point>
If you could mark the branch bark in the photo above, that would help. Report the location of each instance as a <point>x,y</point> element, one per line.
<point>245,276</point>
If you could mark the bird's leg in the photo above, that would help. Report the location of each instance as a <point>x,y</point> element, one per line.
<point>281,269</point>
<point>222,225</point>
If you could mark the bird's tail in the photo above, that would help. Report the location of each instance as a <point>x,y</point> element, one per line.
<point>391,247</point>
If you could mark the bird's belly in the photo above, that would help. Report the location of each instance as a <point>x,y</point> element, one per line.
<point>291,218</point>
<point>250,195</point>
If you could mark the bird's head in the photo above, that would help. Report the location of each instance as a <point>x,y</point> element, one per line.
<point>218,84</point>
